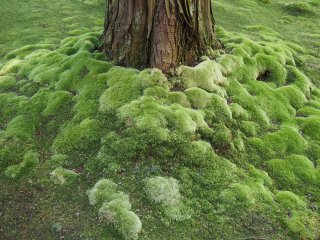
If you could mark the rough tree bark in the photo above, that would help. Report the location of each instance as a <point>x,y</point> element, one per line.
<point>158,33</point>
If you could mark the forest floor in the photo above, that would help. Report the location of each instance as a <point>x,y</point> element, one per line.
<point>234,154</point>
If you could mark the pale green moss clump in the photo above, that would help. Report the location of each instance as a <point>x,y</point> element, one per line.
<point>125,221</point>
<point>165,191</point>
<point>207,76</point>
<point>102,191</point>
<point>63,176</point>
<point>115,208</point>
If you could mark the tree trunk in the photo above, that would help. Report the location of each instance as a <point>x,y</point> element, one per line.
<point>158,33</point>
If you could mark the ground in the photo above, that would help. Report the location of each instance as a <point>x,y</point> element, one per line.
<point>227,149</point>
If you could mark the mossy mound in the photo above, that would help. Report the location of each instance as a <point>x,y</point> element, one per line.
<point>115,208</point>
<point>299,8</point>
<point>239,133</point>
<point>165,191</point>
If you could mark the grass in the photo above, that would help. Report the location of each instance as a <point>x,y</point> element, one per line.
<point>228,149</point>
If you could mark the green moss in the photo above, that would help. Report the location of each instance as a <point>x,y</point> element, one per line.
<point>278,144</point>
<point>299,79</point>
<point>78,138</point>
<point>117,212</point>
<point>87,102</point>
<point>7,83</point>
<point>15,141</point>
<point>301,227</point>
<point>9,66</point>
<point>37,104</point>
<point>30,160</point>
<point>240,197</point>
<point>155,115</point>
<point>56,101</point>
<point>102,191</point>
<point>250,128</point>
<point>179,98</point>
<point>24,51</point>
<point>11,105</point>
<point>250,105</point>
<point>20,127</point>
<point>238,112</point>
<point>293,172</point>
<point>270,70</point>
<point>229,63</point>
<point>58,160</point>
<point>295,215</point>
<point>165,191</point>
<point>199,98</point>
<point>299,8</point>
<point>292,97</point>
<point>308,111</point>
<point>115,208</point>
<point>289,200</point>
<point>206,75</point>
<point>259,176</point>
<point>63,176</point>
<point>220,108</point>
<point>153,77</point>
<point>29,88</point>
<point>310,127</point>
<point>161,93</point>
<point>123,88</point>
<point>240,95</point>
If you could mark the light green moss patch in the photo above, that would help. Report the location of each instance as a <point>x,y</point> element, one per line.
<point>102,191</point>
<point>115,208</point>
<point>63,176</point>
<point>117,212</point>
<point>165,191</point>
<point>206,75</point>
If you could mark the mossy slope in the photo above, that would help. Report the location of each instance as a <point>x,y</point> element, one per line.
<point>231,147</point>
